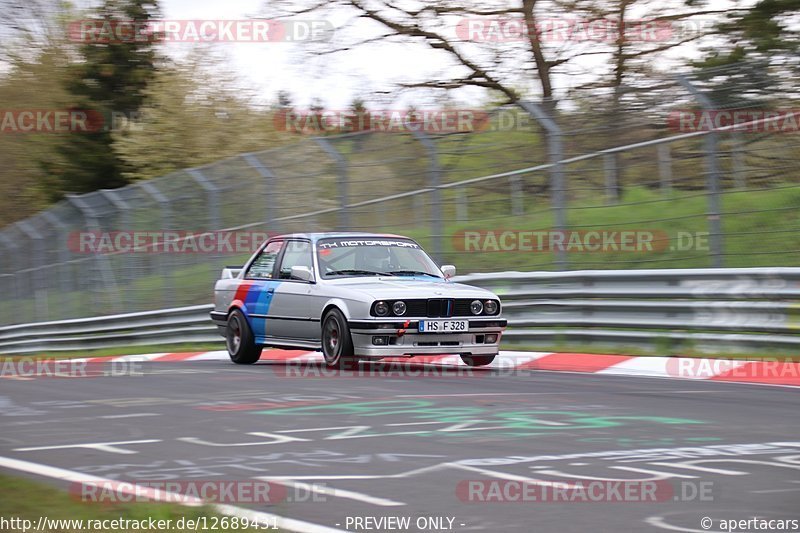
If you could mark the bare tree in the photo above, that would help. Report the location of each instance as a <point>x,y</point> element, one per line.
<point>511,48</point>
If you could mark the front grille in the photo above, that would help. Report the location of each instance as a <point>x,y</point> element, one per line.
<point>416,307</point>
<point>462,307</point>
<point>440,307</point>
<point>435,308</point>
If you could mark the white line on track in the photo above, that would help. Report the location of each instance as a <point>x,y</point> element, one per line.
<point>110,447</point>
<point>263,518</point>
<point>338,493</point>
<point>659,522</point>
<point>514,477</point>
<point>132,415</point>
<point>401,475</point>
<point>477,394</point>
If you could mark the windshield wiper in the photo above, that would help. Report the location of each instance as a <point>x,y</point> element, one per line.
<point>357,272</point>
<point>413,273</point>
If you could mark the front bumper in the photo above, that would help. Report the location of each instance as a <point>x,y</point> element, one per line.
<point>405,340</point>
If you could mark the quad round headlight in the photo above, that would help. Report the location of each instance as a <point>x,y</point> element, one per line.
<point>381,309</point>
<point>490,306</point>
<point>476,307</point>
<point>399,308</point>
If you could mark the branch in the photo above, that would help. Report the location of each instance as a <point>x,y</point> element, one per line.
<point>437,42</point>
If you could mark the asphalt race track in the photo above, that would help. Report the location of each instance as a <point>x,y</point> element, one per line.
<point>372,445</point>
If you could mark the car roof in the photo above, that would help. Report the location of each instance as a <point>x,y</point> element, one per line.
<point>314,237</point>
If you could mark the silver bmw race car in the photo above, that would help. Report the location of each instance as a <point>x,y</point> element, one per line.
<point>353,296</point>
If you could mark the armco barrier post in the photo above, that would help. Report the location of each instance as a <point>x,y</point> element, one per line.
<point>557,187</point>
<point>712,178</point>
<point>434,182</point>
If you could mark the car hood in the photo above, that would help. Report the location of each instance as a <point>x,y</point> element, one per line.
<point>396,288</point>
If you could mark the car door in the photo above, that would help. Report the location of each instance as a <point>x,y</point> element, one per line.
<point>260,283</point>
<point>291,308</point>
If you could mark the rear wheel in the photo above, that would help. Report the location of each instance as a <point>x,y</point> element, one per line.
<point>337,344</point>
<point>239,340</point>
<point>477,360</point>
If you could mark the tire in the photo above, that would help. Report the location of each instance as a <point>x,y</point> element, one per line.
<point>239,340</point>
<point>478,360</point>
<point>337,343</point>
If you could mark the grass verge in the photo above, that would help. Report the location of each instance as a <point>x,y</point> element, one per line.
<point>125,350</point>
<point>25,499</point>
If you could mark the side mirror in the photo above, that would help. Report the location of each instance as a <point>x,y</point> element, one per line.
<point>449,271</point>
<point>302,273</point>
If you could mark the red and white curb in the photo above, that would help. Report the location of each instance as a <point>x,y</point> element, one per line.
<point>762,372</point>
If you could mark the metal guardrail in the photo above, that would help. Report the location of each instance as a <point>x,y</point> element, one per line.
<point>163,326</point>
<point>705,309</point>
<point>732,309</point>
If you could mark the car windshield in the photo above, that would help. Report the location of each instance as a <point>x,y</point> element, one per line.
<point>346,257</point>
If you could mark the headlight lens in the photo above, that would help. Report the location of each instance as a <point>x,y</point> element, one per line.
<point>490,306</point>
<point>381,309</point>
<point>399,308</point>
<point>476,307</point>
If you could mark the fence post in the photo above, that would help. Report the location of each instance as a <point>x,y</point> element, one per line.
<point>100,259</point>
<point>555,150</point>
<point>738,163</point>
<point>712,178</point>
<point>610,171</point>
<point>63,258</point>
<point>212,194</point>
<point>13,268</point>
<point>462,208</point>
<point>271,186</point>
<point>341,169</point>
<point>665,168</point>
<point>434,182</point>
<point>122,206</point>
<point>168,296</point>
<point>517,205</point>
<point>38,286</point>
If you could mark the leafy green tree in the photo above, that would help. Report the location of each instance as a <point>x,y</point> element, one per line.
<point>766,29</point>
<point>111,80</point>
<point>195,114</point>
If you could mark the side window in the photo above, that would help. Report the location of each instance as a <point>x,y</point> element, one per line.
<point>297,253</point>
<point>264,264</point>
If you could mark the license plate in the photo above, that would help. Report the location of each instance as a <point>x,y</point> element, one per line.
<point>443,326</point>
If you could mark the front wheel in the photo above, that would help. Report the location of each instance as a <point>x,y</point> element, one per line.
<point>337,344</point>
<point>239,340</point>
<point>477,360</point>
